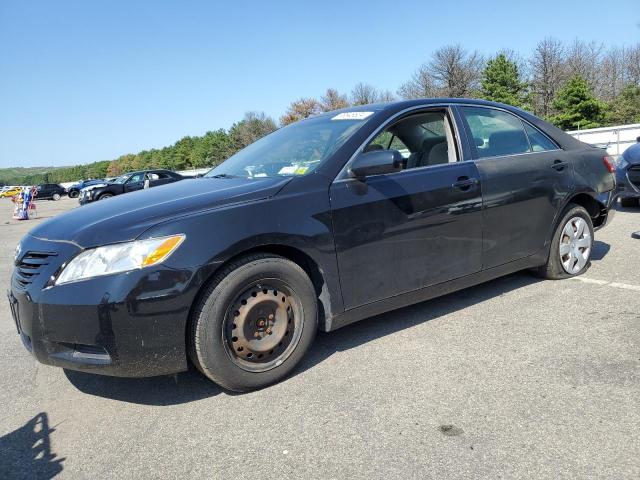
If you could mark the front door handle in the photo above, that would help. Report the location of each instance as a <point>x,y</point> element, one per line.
<point>559,165</point>
<point>465,183</point>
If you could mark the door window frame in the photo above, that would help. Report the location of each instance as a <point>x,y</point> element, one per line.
<point>473,146</point>
<point>456,132</point>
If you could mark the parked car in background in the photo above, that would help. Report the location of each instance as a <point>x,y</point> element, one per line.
<point>628,176</point>
<point>322,223</point>
<point>128,182</point>
<point>74,190</point>
<point>9,191</point>
<point>50,191</point>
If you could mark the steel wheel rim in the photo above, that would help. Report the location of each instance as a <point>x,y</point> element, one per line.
<point>575,245</point>
<point>263,326</point>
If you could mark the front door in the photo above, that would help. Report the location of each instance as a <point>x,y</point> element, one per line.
<point>135,182</point>
<point>407,230</point>
<point>525,178</point>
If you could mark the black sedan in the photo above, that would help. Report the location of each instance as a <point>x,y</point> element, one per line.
<point>50,191</point>
<point>128,182</point>
<point>628,176</point>
<point>322,223</point>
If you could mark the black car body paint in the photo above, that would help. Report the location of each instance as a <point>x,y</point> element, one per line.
<point>369,246</point>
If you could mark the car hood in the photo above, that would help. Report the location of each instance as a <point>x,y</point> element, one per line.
<point>125,217</point>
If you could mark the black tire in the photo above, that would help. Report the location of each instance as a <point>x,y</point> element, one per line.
<point>104,196</point>
<point>213,322</point>
<point>74,194</point>
<point>629,202</point>
<point>553,269</point>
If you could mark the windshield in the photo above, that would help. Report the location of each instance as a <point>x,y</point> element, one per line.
<point>297,149</point>
<point>121,179</point>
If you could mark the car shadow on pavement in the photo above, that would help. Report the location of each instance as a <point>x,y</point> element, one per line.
<point>26,452</point>
<point>327,344</point>
<point>175,389</point>
<point>190,386</point>
<point>600,250</point>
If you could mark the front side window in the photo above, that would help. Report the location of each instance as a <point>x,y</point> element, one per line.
<point>495,132</point>
<point>137,178</point>
<point>297,149</point>
<point>424,139</point>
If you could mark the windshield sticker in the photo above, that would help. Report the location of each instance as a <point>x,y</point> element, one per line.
<point>290,170</point>
<point>301,170</point>
<point>352,116</point>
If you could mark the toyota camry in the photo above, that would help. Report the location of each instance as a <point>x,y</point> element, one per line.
<point>325,222</point>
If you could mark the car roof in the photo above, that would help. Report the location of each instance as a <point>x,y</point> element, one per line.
<point>401,104</point>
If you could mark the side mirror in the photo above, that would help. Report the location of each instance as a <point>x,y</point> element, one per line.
<point>377,162</point>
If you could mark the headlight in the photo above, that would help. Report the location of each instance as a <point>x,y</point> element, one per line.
<point>121,257</point>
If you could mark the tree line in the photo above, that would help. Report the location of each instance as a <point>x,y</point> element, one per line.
<point>575,86</point>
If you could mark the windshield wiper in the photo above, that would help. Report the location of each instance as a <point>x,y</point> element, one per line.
<point>224,175</point>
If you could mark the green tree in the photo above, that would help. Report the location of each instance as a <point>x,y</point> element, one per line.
<point>577,107</point>
<point>625,108</point>
<point>501,82</point>
<point>253,126</point>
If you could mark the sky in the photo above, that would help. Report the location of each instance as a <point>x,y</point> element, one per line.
<point>82,81</point>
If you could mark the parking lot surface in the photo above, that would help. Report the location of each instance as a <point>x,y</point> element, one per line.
<point>516,378</point>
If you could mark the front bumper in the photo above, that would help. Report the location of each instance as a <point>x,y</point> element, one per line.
<point>130,324</point>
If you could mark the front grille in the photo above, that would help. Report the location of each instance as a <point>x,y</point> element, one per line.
<point>634,175</point>
<point>30,265</point>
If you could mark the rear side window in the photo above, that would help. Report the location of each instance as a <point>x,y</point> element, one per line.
<point>539,141</point>
<point>495,132</point>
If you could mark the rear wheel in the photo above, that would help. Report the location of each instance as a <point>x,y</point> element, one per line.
<point>629,202</point>
<point>56,196</point>
<point>254,323</point>
<point>571,246</point>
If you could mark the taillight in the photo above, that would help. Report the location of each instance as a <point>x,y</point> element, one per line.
<point>609,163</point>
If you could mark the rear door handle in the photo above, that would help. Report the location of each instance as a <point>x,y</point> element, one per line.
<point>465,183</point>
<point>559,165</point>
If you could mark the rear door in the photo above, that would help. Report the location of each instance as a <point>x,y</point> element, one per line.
<point>525,179</point>
<point>403,231</point>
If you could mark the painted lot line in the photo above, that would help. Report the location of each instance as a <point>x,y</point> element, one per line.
<point>624,286</point>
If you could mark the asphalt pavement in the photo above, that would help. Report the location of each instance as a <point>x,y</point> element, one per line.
<point>516,378</point>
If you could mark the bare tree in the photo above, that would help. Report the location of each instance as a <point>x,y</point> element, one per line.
<point>300,109</point>
<point>547,71</point>
<point>584,59</point>
<point>455,72</point>
<point>419,86</point>
<point>632,63</point>
<point>612,73</point>
<point>386,96</point>
<point>333,100</point>
<point>364,94</point>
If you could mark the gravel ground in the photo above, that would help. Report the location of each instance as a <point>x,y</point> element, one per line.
<point>516,378</point>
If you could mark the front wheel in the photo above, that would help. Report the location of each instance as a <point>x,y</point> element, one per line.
<point>254,322</point>
<point>571,246</point>
<point>74,194</point>
<point>104,196</point>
